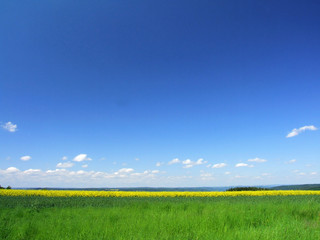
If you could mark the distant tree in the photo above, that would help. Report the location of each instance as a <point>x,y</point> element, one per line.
<point>8,187</point>
<point>1,187</point>
<point>247,189</point>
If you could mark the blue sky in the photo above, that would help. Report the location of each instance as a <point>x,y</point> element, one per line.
<point>159,93</point>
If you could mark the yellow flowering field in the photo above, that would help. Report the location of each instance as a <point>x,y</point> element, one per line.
<point>73,193</point>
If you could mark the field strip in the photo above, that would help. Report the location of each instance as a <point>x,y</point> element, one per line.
<point>75,193</point>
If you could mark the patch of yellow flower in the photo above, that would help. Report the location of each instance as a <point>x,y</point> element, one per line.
<point>68,193</point>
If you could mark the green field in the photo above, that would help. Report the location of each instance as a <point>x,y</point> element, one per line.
<point>276,217</point>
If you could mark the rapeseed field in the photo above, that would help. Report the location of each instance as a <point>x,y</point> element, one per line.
<point>68,193</point>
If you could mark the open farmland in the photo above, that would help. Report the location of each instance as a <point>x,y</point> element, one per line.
<point>224,217</point>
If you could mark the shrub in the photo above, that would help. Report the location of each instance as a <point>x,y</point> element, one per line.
<point>247,189</point>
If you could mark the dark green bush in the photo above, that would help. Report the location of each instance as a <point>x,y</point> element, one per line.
<point>247,189</point>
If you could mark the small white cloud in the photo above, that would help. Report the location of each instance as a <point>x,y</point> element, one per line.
<point>243,165</point>
<point>188,166</point>
<point>9,126</point>
<point>297,131</point>
<point>227,173</point>
<point>65,165</point>
<point>84,165</point>
<point>173,161</point>
<point>64,158</point>
<point>81,157</point>
<point>200,161</point>
<point>206,176</point>
<point>12,170</point>
<point>188,163</point>
<point>258,160</point>
<point>238,176</point>
<point>25,158</point>
<point>124,170</point>
<point>301,174</point>
<point>32,171</point>
<point>137,159</point>
<point>265,174</point>
<point>291,161</point>
<point>57,171</point>
<point>313,173</point>
<point>296,171</point>
<point>155,171</point>
<point>219,165</point>
<point>209,165</point>
<point>158,164</point>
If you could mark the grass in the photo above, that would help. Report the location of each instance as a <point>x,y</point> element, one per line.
<point>269,217</point>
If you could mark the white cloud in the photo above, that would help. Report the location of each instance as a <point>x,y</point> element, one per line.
<point>243,165</point>
<point>65,165</point>
<point>124,170</point>
<point>297,131</point>
<point>64,158</point>
<point>158,164</point>
<point>227,173</point>
<point>206,176</point>
<point>57,171</point>
<point>301,174</point>
<point>137,159</point>
<point>219,165</point>
<point>12,170</point>
<point>188,163</point>
<point>313,173</point>
<point>258,160</point>
<point>32,171</point>
<point>84,165</point>
<point>81,157</point>
<point>65,178</point>
<point>173,161</point>
<point>188,166</point>
<point>25,158</point>
<point>291,161</point>
<point>9,126</point>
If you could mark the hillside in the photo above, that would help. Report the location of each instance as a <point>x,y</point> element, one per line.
<point>298,187</point>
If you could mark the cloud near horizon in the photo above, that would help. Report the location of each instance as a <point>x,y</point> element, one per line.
<point>81,178</point>
<point>65,165</point>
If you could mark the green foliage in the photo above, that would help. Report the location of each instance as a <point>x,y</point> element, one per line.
<point>267,217</point>
<point>298,187</point>
<point>247,189</point>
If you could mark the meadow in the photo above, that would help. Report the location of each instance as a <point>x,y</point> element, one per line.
<point>227,217</point>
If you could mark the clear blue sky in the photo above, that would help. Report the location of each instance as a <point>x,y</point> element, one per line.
<point>133,85</point>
